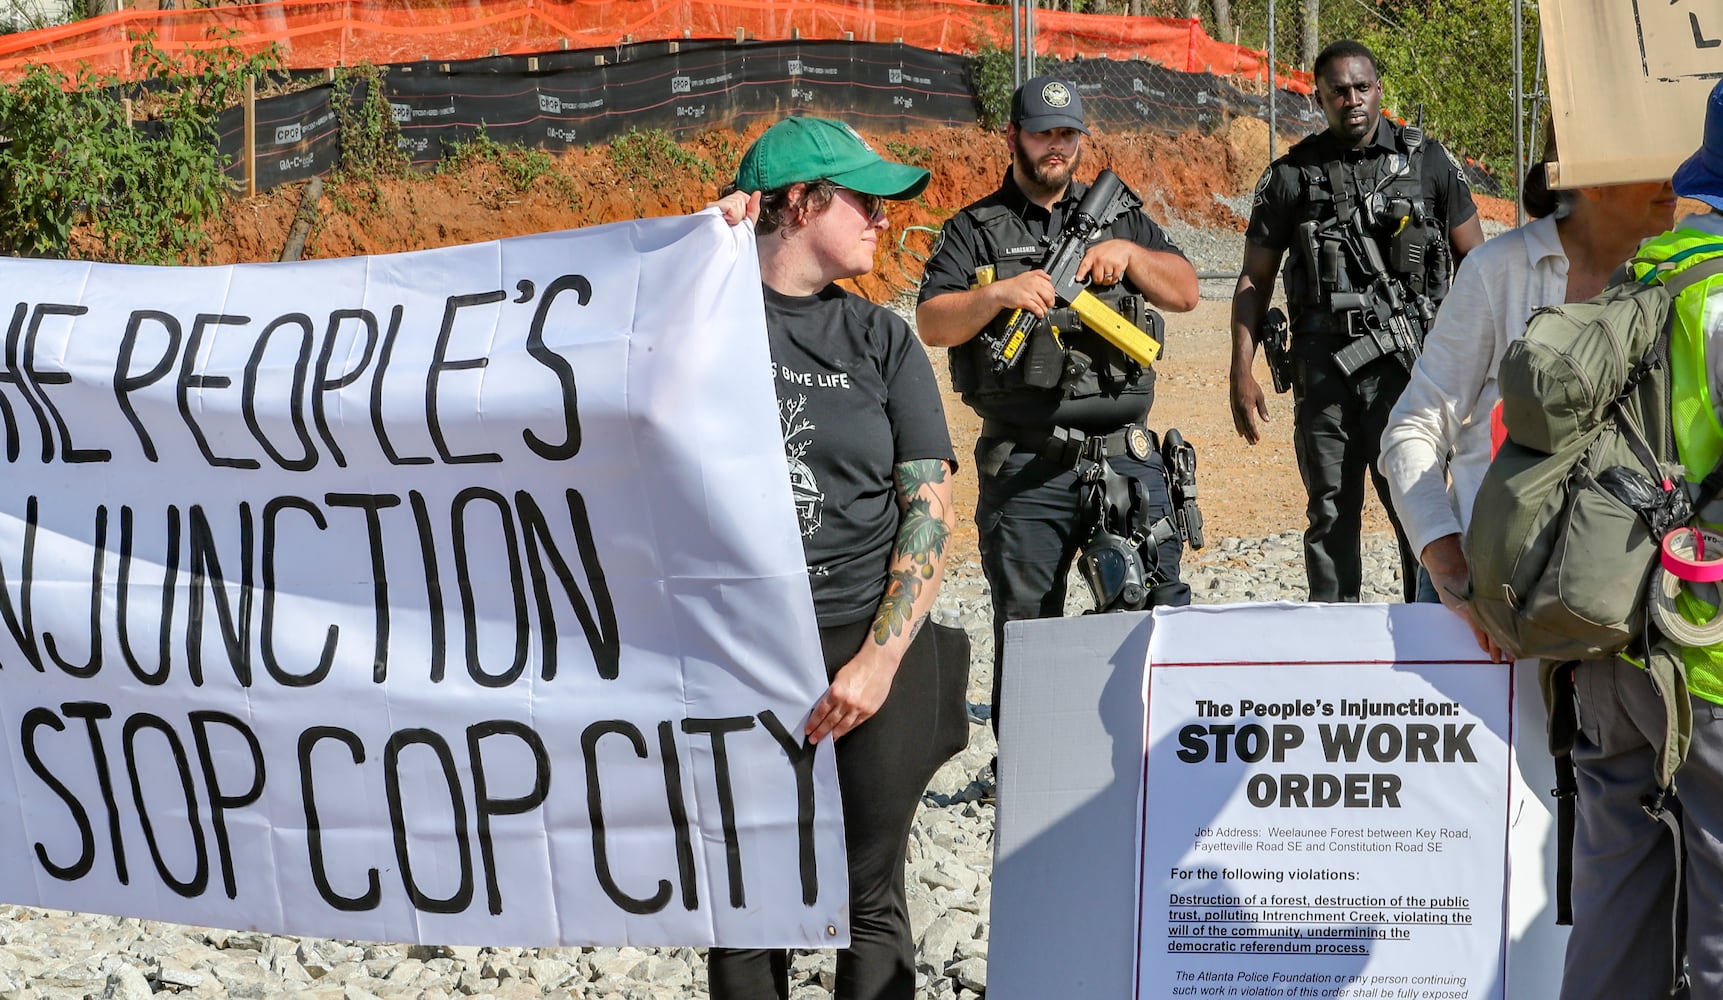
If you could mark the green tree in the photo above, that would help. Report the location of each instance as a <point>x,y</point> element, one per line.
<point>1454,59</point>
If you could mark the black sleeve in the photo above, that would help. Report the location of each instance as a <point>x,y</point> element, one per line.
<point>1272,208</point>
<point>1146,233</point>
<point>912,402</point>
<point>955,257</point>
<point>1453,194</point>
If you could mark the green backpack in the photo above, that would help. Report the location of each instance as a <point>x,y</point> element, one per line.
<point>1565,530</point>
<point>1568,520</point>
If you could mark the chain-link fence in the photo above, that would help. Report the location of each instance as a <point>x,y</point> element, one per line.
<point>1451,61</point>
<point>1135,95</point>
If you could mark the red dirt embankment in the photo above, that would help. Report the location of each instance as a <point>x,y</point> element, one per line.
<point>1246,491</point>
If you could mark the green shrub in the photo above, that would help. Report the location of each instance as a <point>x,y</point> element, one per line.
<point>1453,58</point>
<point>991,77</point>
<point>75,154</point>
<point>520,164</point>
<point>906,152</point>
<point>370,136</point>
<point>652,158</point>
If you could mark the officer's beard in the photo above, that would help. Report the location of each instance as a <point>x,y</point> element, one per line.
<point>1049,178</point>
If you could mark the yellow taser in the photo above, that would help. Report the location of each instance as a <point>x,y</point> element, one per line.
<point>1119,331</point>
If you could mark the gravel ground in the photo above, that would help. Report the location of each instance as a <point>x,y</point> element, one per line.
<point>51,954</point>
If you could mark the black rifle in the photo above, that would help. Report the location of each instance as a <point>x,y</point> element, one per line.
<point>1392,320</point>
<point>1108,199</point>
<point>1276,349</point>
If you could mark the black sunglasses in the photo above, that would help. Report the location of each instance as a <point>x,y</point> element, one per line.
<point>872,204</point>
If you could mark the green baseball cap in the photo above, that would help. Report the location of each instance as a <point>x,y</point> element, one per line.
<point>797,150</point>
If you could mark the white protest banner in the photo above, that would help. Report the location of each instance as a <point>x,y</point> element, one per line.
<point>451,596</point>
<point>1321,820</point>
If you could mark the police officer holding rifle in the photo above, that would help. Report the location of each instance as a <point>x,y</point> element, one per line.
<point>1370,218</point>
<point>1045,291</point>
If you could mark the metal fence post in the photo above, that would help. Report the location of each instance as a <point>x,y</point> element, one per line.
<point>1519,115</point>
<point>1016,44</point>
<point>1271,85</point>
<point>1029,45</point>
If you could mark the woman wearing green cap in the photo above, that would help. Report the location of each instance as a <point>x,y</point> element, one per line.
<point>870,466</point>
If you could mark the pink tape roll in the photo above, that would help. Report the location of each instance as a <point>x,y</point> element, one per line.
<point>1694,554</point>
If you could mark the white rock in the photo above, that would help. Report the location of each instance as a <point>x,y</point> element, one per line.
<point>942,939</point>
<point>971,973</point>
<point>671,972</point>
<point>549,972</point>
<point>126,983</point>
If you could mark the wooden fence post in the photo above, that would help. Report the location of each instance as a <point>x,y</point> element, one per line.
<point>250,153</point>
<point>302,220</point>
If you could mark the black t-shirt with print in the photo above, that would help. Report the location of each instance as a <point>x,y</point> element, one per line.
<point>856,396</point>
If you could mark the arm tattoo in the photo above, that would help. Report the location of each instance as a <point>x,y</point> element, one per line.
<point>919,550</point>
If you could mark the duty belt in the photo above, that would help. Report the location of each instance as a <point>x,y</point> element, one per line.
<point>1065,446</point>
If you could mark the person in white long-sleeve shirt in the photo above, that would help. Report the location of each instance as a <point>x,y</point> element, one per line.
<point>1437,442</point>
<point>1437,446</point>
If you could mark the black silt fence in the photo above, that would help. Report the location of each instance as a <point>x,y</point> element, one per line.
<point>563,100</point>
<point>682,92</point>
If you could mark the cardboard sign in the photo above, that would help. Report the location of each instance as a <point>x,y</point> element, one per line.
<point>1628,81</point>
<point>451,596</point>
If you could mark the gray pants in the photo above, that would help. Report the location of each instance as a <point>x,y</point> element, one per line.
<point>1624,861</point>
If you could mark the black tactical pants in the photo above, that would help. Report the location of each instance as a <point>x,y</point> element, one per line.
<point>1030,528</point>
<point>1337,432</point>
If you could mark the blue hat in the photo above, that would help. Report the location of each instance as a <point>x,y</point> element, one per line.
<point>1701,177</point>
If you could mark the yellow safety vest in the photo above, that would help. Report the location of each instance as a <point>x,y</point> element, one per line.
<point>1693,418</point>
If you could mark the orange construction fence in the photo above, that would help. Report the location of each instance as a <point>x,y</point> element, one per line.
<point>317,34</point>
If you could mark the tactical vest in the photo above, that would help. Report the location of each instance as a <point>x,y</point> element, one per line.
<point>1698,435</point>
<point>1386,192</point>
<point>1089,364</point>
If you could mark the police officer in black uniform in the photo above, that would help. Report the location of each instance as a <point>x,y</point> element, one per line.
<point>1410,199</point>
<point>1034,439</point>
